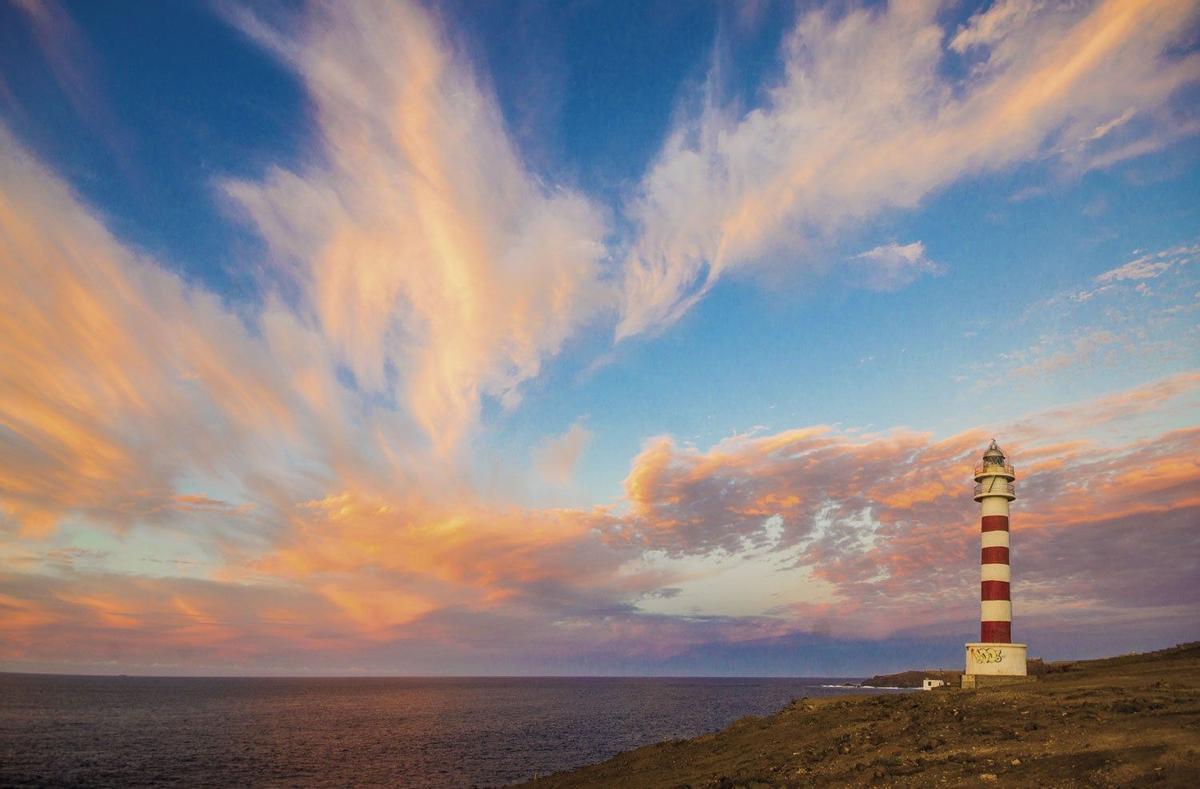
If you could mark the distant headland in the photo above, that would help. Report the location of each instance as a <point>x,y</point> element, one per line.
<point>913,679</point>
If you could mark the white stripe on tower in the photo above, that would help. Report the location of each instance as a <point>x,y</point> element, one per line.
<point>997,572</point>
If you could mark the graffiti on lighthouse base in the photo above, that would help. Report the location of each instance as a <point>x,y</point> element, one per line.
<point>987,654</point>
<point>996,659</point>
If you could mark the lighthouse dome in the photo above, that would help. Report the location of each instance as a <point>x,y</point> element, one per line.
<point>994,464</point>
<point>994,455</point>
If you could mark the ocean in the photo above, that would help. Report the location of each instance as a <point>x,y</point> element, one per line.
<point>140,731</point>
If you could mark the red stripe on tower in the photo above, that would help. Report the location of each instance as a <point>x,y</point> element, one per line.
<point>994,590</point>
<point>995,523</point>
<point>995,555</point>
<point>995,632</point>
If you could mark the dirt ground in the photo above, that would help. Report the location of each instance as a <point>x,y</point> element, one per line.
<point>1117,722</point>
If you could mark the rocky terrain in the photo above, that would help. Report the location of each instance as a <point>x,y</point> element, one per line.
<point>1132,720</point>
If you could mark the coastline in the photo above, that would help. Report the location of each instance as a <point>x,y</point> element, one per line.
<point>1115,721</point>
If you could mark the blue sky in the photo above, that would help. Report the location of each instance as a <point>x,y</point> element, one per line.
<point>398,318</point>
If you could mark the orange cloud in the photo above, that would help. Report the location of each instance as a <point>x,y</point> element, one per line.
<point>435,263</point>
<point>119,382</point>
<point>94,355</point>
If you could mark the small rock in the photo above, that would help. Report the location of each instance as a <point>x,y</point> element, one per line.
<point>987,776</point>
<point>1015,762</point>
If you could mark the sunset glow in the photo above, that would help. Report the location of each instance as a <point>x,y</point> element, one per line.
<point>390,338</point>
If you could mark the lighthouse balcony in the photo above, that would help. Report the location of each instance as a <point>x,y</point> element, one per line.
<point>995,470</point>
<point>995,488</point>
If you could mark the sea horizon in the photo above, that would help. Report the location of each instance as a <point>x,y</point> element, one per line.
<point>128,675</point>
<point>428,731</point>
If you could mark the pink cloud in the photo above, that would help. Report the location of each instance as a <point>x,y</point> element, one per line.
<point>889,521</point>
<point>439,268</point>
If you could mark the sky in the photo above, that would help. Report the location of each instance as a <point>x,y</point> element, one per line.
<point>589,338</point>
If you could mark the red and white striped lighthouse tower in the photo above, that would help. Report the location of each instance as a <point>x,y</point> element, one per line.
<point>994,654</point>
<point>994,490</point>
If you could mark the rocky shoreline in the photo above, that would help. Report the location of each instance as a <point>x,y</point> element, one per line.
<point>1114,722</point>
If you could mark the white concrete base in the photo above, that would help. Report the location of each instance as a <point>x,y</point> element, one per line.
<point>996,659</point>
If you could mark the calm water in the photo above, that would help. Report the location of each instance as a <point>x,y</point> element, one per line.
<point>409,732</point>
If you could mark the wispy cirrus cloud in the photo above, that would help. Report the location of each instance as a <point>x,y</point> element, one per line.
<point>865,119</point>
<point>109,360</point>
<point>1138,313</point>
<point>76,71</point>
<point>128,397</point>
<point>1152,265</point>
<point>440,268</point>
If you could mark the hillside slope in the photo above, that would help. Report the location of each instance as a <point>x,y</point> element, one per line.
<point>1113,722</point>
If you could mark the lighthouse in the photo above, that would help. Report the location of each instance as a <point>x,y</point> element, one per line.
<point>994,658</point>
